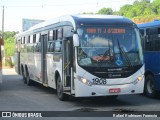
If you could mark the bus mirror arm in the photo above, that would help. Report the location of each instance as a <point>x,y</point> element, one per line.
<point>75,40</point>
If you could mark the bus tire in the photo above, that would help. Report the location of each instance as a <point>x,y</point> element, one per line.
<point>24,76</point>
<point>149,88</point>
<point>60,94</point>
<point>28,80</point>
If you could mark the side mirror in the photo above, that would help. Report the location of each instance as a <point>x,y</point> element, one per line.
<point>75,40</point>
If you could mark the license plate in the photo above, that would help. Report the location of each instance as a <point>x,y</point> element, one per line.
<point>114,90</point>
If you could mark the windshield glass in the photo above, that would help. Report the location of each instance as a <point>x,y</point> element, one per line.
<point>109,46</point>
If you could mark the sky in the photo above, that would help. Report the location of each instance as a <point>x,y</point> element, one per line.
<point>16,10</point>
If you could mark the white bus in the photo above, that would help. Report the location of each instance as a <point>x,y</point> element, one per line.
<point>83,56</point>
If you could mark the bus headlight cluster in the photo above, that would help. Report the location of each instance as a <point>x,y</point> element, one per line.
<point>139,78</point>
<point>85,81</point>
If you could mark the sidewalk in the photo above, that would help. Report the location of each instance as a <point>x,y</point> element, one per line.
<point>8,71</point>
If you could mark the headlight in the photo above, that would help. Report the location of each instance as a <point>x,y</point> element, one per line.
<point>139,78</point>
<point>85,81</point>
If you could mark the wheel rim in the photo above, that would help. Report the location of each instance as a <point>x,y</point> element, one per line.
<point>150,86</point>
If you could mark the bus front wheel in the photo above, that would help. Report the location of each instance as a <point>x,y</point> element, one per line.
<point>60,93</point>
<point>149,88</point>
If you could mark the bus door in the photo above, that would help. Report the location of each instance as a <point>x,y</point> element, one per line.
<point>44,39</point>
<point>67,64</point>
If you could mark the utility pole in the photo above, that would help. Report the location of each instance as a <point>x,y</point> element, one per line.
<point>1,41</point>
<point>2,37</point>
<point>2,23</point>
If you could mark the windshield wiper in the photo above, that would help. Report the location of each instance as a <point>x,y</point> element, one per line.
<point>124,53</point>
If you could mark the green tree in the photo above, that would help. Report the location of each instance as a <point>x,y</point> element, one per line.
<point>9,46</point>
<point>143,8</point>
<point>156,6</point>
<point>116,13</point>
<point>140,8</point>
<point>9,43</point>
<point>125,9</point>
<point>106,11</point>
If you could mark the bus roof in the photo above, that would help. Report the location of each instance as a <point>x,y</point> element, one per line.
<point>149,24</point>
<point>83,19</point>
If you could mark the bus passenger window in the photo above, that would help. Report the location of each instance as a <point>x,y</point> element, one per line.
<point>23,40</point>
<point>48,47</point>
<point>152,42</point>
<point>50,35</point>
<point>58,46</point>
<point>52,47</point>
<point>38,47</point>
<point>60,34</point>
<point>34,38</point>
<point>142,32</point>
<point>28,39</point>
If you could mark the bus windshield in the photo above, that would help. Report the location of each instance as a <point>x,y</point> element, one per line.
<point>109,46</point>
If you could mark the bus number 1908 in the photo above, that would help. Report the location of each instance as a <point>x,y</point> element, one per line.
<point>99,81</point>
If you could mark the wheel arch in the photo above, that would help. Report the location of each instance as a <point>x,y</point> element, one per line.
<point>148,72</point>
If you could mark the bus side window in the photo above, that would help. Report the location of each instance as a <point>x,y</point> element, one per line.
<point>142,32</point>
<point>38,43</point>
<point>52,47</point>
<point>142,37</point>
<point>34,43</point>
<point>147,42</point>
<point>147,35</point>
<point>156,39</point>
<point>38,47</point>
<point>51,35</point>
<point>48,46</point>
<point>58,45</point>
<point>152,43</point>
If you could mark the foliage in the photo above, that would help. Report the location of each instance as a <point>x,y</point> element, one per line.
<point>9,37</point>
<point>9,49</point>
<point>107,11</point>
<point>139,8</point>
<point>9,46</point>
<point>140,11</point>
<point>156,6</point>
<point>9,43</point>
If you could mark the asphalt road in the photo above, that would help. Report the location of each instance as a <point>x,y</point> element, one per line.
<point>17,96</point>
